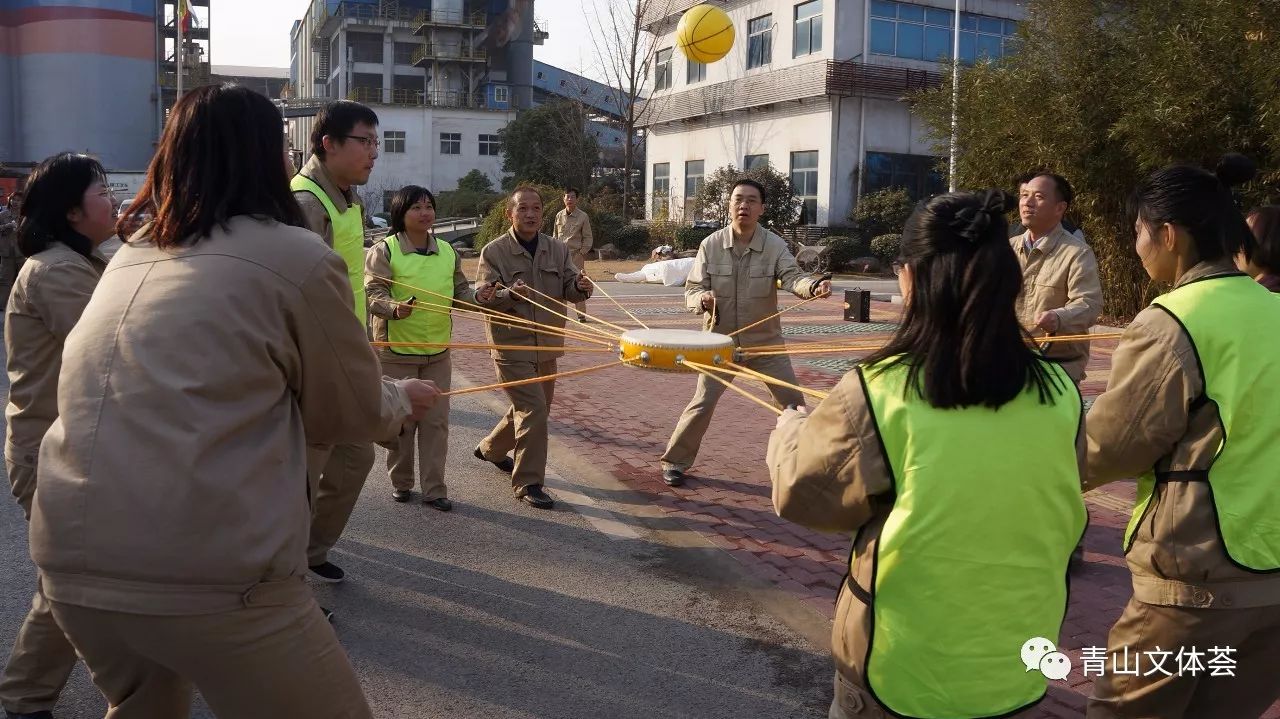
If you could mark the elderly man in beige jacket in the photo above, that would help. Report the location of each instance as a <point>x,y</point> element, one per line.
<point>511,268</point>
<point>574,228</point>
<point>1061,292</point>
<point>734,284</point>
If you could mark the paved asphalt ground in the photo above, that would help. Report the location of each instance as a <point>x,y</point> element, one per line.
<point>595,609</point>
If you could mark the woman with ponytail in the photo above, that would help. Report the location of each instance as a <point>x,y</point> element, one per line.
<point>67,214</point>
<point>1190,409</point>
<point>954,456</point>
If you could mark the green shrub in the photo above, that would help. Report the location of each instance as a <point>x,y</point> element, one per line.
<point>630,239</point>
<point>663,232</point>
<point>844,250</point>
<point>688,238</point>
<point>605,226</point>
<point>884,212</point>
<point>887,247</point>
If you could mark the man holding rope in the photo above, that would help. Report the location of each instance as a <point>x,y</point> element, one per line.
<point>513,268</point>
<point>1061,292</point>
<point>734,284</point>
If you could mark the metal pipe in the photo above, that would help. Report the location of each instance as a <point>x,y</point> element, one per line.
<point>955,96</point>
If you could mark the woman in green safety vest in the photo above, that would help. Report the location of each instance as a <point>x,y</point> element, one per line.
<point>1191,410</point>
<point>954,455</point>
<point>412,280</point>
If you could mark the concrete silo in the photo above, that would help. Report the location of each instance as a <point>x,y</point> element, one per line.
<point>78,75</point>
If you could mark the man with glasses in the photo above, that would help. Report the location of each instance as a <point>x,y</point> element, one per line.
<point>344,146</point>
<point>734,284</point>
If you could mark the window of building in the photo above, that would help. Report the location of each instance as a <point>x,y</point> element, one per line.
<point>693,179</point>
<point>808,28</point>
<point>490,146</point>
<point>804,180</point>
<point>393,141</point>
<point>364,47</point>
<point>661,187</point>
<point>753,162</point>
<point>920,33</point>
<point>451,143</point>
<point>760,41</point>
<point>366,87</point>
<point>404,52</point>
<point>501,93</point>
<point>918,174</point>
<point>662,70</point>
<point>697,72</point>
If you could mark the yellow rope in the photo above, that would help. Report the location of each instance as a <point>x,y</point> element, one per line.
<point>567,318</point>
<point>506,321</point>
<point>774,380</point>
<point>565,304</point>
<point>818,350</point>
<point>624,309</point>
<point>466,346</point>
<point>532,380</point>
<point>699,368</point>
<point>1077,338</point>
<point>775,314</point>
<point>486,311</point>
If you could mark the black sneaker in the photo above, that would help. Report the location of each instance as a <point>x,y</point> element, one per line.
<point>440,503</point>
<point>506,464</point>
<point>328,614</point>
<point>329,573</point>
<point>401,495</point>
<point>534,496</point>
<point>673,477</point>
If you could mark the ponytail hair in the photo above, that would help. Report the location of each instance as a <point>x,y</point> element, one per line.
<point>960,337</point>
<point>1200,202</point>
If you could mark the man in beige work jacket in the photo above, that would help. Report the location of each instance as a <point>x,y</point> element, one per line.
<point>1061,292</point>
<point>734,284</point>
<point>574,228</point>
<point>511,268</point>
<point>344,143</point>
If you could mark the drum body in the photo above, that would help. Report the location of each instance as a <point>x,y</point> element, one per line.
<point>665,350</point>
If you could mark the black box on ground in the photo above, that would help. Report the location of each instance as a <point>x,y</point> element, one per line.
<point>857,305</point>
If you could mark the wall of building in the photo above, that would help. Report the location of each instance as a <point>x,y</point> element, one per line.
<point>422,162</point>
<point>101,54</point>
<point>719,142</point>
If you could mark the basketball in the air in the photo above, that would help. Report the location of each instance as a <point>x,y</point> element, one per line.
<point>705,33</point>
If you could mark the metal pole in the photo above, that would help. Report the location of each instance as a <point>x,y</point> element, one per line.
<point>955,96</point>
<point>177,51</point>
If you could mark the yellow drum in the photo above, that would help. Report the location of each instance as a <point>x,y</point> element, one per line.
<point>664,349</point>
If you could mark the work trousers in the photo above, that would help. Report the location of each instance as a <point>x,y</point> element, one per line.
<point>524,427</point>
<point>429,435</point>
<point>343,470</point>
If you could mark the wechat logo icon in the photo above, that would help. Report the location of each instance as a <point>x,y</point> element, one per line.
<point>1040,655</point>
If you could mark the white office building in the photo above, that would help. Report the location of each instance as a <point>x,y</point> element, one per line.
<point>815,88</point>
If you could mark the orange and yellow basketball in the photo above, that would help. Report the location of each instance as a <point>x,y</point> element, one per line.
<point>705,33</point>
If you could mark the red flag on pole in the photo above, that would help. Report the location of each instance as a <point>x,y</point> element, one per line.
<point>185,17</point>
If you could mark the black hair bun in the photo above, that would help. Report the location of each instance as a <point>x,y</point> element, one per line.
<point>975,224</point>
<point>1235,169</point>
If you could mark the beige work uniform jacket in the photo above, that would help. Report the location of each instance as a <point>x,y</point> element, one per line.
<point>52,290</point>
<point>1152,416</point>
<point>551,272</point>
<point>1060,274</point>
<point>377,263</point>
<point>174,478</point>
<point>317,218</point>
<point>745,284</point>
<point>830,473</point>
<point>574,230</point>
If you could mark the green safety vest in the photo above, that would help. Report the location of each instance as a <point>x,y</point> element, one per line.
<point>972,560</point>
<point>348,240</point>
<point>1234,326</point>
<point>423,272</point>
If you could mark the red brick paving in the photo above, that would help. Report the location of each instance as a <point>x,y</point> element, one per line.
<point>622,417</point>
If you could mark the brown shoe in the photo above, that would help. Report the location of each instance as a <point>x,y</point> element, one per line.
<point>439,503</point>
<point>534,496</point>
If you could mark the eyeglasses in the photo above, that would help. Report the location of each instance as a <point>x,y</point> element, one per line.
<point>370,143</point>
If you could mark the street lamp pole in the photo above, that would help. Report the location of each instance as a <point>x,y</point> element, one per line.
<point>955,96</point>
